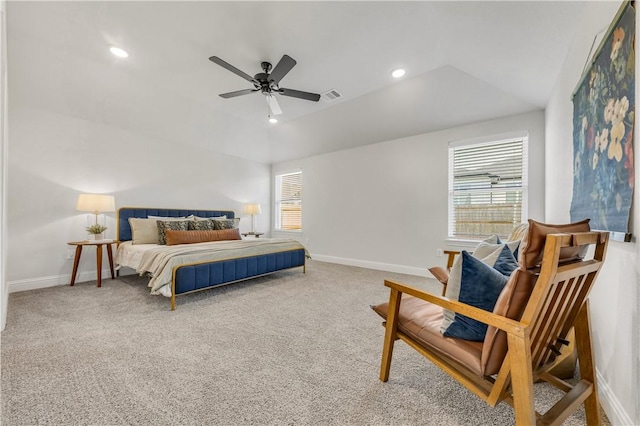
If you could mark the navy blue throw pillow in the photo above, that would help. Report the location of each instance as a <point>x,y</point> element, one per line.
<point>515,252</point>
<point>506,262</point>
<point>480,286</point>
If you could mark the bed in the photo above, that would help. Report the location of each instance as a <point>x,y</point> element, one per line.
<point>181,269</point>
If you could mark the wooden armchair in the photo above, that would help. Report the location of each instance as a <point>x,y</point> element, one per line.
<point>529,324</point>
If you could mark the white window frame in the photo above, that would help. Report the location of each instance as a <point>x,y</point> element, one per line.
<point>488,140</point>
<point>278,200</point>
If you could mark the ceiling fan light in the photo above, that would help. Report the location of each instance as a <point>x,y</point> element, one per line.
<point>120,53</point>
<point>397,73</point>
<point>273,120</point>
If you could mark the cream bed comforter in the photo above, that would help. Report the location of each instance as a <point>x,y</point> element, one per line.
<point>158,261</point>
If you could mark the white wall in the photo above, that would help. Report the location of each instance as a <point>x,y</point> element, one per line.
<point>70,132</point>
<point>4,292</point>
<point>614,299</point>
<point>53,157</point>
<point>384,206</point>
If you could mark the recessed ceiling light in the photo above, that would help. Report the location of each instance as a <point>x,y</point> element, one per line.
<point>398,73</point>
<point>273,120</point>
<point>118,52</point>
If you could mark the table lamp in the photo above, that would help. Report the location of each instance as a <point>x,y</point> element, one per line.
<point>96,203</point>
<point>253,210</point>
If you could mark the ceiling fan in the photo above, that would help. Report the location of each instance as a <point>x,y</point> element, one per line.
<point>267,83</point>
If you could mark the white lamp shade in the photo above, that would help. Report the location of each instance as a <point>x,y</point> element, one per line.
<point>251,209</point>
<point>96,203</point>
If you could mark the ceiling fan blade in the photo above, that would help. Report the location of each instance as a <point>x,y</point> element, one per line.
<point>273,104</point>
<point>233,69</point>
<point>299,94</point>
<point>282,68</point>
<point>237,93</point>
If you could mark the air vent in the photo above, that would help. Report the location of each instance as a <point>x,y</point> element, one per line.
<point>331,95</point>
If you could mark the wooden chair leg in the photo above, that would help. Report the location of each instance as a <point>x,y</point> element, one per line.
<point>587,363</point>
<point>390,334</point>
<point>521,380</point>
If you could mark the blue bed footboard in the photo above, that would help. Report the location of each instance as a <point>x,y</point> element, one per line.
<point>201,276</point>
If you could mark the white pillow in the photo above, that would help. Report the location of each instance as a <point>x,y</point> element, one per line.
<point>143,231</point>
<point>198,218</point>
<point>167,219</point>
<point>491,239</point>
<point>483,249</point>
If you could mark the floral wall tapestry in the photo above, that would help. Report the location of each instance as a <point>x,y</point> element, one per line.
<point>603,117</point>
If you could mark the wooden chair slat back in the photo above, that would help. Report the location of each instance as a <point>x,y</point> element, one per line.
<point>550,326</point>
<point>559,293</point>
<point>545,328</point>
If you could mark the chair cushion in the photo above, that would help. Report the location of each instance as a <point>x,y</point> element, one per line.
<point>532,247</point>
<point>421,321</point>
<point>510,304</point>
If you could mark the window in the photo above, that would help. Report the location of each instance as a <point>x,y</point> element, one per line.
<point>289,201</point>
<point>487,187</point>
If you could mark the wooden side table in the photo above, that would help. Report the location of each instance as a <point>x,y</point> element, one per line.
<point>255,234</point>
<point>98,244</point>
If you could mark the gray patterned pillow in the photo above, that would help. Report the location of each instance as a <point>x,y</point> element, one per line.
<point>174,225</point>
<point>225,223</point>
<point>201,225</point>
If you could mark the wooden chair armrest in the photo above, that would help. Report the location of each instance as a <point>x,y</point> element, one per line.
<point>503,323</point>
<point>440,274</point>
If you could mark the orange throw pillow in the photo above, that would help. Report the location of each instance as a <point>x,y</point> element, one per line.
<point>191,237</point>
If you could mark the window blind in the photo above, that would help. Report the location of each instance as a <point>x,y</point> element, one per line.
<point>289,201</point>
<point>487,188</point>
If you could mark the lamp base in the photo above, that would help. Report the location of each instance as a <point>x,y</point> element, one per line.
<point>253,224</point>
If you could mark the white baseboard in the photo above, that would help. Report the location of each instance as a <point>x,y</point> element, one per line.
<point>54,280</point>
<point>389,267</point>
<point>65,279</point>
<point>610,404</point>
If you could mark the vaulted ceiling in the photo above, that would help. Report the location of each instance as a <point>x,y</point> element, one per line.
<point>465,62</point>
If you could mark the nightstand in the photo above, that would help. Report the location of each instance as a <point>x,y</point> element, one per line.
<point>255,234</point>
<point>98,245</point>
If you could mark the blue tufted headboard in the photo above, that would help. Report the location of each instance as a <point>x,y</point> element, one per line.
<point>124,213</point>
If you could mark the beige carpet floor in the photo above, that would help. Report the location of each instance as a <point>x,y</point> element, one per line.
<point>286,349</point>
